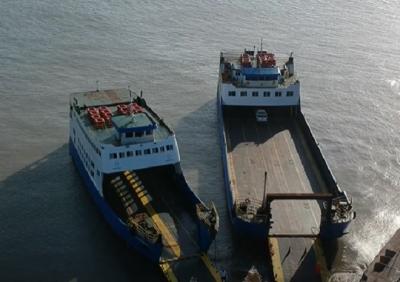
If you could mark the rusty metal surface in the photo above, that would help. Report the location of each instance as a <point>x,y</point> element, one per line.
<point>278,147</point>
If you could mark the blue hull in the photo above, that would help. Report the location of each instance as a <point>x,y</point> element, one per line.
<point>150,251</point>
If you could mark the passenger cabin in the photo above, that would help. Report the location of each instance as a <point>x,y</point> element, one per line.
<point>134,128</point>
<point>115,130</point>
<point>258,79</point>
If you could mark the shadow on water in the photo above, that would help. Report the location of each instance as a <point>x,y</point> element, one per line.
<point>199,143</point>
<point>52,231</point>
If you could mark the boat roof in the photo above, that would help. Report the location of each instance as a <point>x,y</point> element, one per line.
<point>234,59</point>
<point>145,119</point>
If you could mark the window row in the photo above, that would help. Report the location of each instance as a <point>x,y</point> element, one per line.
<point>256,93</point>
<point>129,154</point>
<point>138,133</point>
<point>97,150</point>
<point>85,158</point>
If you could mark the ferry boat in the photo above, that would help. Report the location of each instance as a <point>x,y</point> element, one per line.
<point>277,181</point>
<point>129,160</point>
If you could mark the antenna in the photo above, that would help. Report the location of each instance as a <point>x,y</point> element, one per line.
<point>261,44</point>
<point>97,85</point>
<point>141,93</point>
<point>131,104</point>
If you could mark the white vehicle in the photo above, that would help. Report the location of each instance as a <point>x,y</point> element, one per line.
<point>261,116</point>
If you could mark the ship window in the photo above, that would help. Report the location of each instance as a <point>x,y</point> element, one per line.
<point>255,93</point>
<point>129,134</point>
<point>162,149</point>
<point>289,93</point>
<point>278,94</point>
<point>243,93</point>
<point>92,173</point>
<point>73,131</point>
<point>231,93</point>
<point>267,93</point>
<point>92,164</point>
<point>138,153</point>
<point>154,150</point>
<point>98,172</point>
<point>129,154</point>
<point>113,155</point>
<point>169,147</point>
<point>147,151</point>
<point>139,134</point>
<point>122,155</point>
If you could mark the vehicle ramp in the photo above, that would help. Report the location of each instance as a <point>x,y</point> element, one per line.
<point>181,259</point>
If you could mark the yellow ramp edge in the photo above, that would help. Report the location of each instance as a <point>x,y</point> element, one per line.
<point>321,260</point>
<point>273,248</point>
<point>168,272</point>
<point>211,268</point>
<point>165,232</point>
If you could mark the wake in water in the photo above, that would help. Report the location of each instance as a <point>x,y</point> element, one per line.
<point>361,246</point>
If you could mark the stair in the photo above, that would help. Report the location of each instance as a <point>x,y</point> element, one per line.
<point>125,196</point>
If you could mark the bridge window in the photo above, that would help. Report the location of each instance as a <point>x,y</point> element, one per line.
<point>267,93</point>
<point>138,152</point>
<point>278,94</point>
<point>129,154</point>
<point>113,155</point>
<point>146,151</point>
<point>243,93</point>
<point>149,132</point>
<point>231,93</point>
<point>139,134</point>
<point>122,155</point>
<point>129,134</point>
<point>169,147</point>
<point>162,149</point>
<point>289,93</point>
<point>255,93</point>
<point>155,150</point>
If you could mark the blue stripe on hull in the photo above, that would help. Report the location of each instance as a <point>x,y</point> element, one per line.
<point>150,251</point>
<point>333,231</point>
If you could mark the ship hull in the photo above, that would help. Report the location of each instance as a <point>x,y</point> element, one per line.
<point>260,231</point>
<point>151,252</point>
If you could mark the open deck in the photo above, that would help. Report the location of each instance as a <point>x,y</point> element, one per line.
<point>278,148</point>
<point>157,194</point>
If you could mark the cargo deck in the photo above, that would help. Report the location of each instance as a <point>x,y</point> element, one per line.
<point>278,148</point>
<point>181,259</point>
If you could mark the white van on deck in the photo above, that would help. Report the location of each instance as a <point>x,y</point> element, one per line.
<point>261,115</point>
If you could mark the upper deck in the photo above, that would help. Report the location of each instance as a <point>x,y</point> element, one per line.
<point>115,130</point>
<point>257,79</point>
<point>257,69</point>
<point>140,120</point>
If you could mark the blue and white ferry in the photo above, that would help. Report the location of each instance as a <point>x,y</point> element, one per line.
<point>277,180</point>
<point>129,161</point>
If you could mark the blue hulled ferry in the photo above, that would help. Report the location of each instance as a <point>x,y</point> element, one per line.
<point>129,161</point>
<point>279,186</point>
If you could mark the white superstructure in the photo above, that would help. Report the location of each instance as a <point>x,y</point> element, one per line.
<point>255,79</point>
<point>113,132</point>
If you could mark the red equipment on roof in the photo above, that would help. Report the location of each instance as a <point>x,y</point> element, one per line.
<point>265,59</point>
<point>245,60</point>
